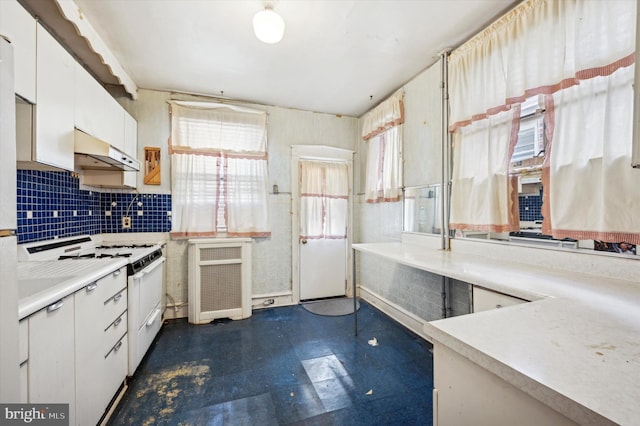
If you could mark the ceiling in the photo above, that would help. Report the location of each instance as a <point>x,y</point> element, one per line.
<point>340,57</point>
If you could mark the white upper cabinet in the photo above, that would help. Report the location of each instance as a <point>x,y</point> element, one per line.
<point>19,27</point>
<point>96,111</point>
<point>55,113</point>
<point>130,147</point>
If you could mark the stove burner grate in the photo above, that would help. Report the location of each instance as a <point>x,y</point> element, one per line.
<point>125,246</point>
<point>77,256</point>
<point>104,255</point>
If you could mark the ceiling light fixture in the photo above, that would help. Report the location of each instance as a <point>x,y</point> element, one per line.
<point>268,26</point>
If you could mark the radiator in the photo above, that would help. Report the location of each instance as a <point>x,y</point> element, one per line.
<point>219,279</point>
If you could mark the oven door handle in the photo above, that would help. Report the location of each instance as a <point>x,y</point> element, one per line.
<point>153,318</point>
<point>148,269</point>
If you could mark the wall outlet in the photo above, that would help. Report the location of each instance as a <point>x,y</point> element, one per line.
<point>126,222</point>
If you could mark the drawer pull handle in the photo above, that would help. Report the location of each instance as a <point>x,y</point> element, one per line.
<point>117,297</point>
<point>116,273</point>
<point>117,322</point>
<point>92,287</point>
<point>55,306</point>
<point>117,346</point>
<point>498,306</point>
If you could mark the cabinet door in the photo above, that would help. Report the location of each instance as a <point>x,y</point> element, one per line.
<point>484,300</point>
<point>88,346</point>
<point>467,394</point>
<point>23,350</point>
<point>52,355</point>
<point>96,112</point>
<point>87,101</point>
<point>130,147</point>
<point>55,107</point>
<point>17,25</point>
<point>7,139</point>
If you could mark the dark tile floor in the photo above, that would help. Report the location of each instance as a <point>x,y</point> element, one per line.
<point>283,366</point>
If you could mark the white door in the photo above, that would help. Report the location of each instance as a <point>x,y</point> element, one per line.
<point>322,224</point>
<point>322,268</point>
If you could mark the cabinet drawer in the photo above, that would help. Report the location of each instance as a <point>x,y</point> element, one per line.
<point>23,340</point>
<point>99,291</point>
<point>484,300</point>
<point>113,333</point>
<point>115,368</point>
<point>114,307</point>
<point>112,283</point>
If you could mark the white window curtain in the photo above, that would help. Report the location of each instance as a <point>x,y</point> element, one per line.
<point>218,170</point>
<point>539,47</point>
<point>548,47</point>
<point>384,174</point>
<point>324,198</point>
<point>592,187</point>
<point>483,197</point>
<point>382,129</point>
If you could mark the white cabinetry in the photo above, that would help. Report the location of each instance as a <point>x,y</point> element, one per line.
<point>467,394</point>
<point>484,300</point>
<point>130,147</point>
<point>101,344</point>
<point>52,355</point>
<point>19,27</point>
<point>23,349</point>
<point>54,117</point>
<point>96,112</point>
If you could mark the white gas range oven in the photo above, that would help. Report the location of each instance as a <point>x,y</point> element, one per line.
<point>54,260</point>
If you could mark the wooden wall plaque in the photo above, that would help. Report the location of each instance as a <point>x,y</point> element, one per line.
<point>151,165</point>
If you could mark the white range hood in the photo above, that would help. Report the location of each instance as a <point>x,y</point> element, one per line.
<point>94,154</point>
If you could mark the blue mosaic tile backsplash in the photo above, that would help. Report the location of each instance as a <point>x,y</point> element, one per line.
<point>530,207</point>
<point>51,204</point>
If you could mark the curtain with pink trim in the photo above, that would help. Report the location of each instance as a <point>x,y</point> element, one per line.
<point>219,176</point>
<point>382,129</point>
<point>482,194</point>
<point>383,182</point>
<point>324,198</point>
<point>579,54</point>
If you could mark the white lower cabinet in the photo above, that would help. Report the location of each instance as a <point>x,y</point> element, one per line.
<point>484,300</point>
<point>101,345</point>
<point>75,350</point>
<point>467,394</point>
<point>23,350</point>
<point>51,374</point>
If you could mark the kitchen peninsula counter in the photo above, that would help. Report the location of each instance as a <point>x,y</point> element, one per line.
<point>575,348</point>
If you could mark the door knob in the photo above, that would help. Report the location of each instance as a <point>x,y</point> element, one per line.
<point>304,241</point>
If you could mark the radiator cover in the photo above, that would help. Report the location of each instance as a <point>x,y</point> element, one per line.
<point>219,279</point>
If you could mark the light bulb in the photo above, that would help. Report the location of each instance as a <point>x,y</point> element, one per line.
<point>268,26</point>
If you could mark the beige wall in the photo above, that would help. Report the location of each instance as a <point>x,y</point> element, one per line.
<point>414,291</point>
<point>271,256</point>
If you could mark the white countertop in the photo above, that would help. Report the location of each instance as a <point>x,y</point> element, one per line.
<point>576,348</point>
<point>45,282</point>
